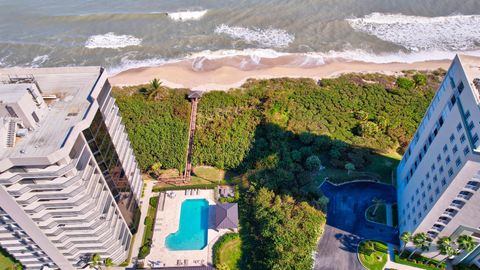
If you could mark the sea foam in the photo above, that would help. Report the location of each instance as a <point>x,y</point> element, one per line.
<point>268,38</point>
<point>187,15</point>
<point>111,41</point>
<point>39,60</point>
<point>449,33</point>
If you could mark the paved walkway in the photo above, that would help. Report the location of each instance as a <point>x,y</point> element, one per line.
<point>144,203</point>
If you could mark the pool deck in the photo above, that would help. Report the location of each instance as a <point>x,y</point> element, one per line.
<point>167,222</point>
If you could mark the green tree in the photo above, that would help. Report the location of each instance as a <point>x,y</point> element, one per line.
<point>406,237</point>
<point>349,167</point>
<point>95,259</point>
<point>465,243</point>
<point>445,246</point>
<point>420,79</point>
<point>296,156</point>
<point>361,115</point>
<point>421,242</point>
<point>313,163</point>
<point>405,83</point>
<point>367,129</point>
<point>108,262</point>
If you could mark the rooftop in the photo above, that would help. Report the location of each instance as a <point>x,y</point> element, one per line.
<point>471,65</point>
<point>72,87</point>
<point>226,216</point>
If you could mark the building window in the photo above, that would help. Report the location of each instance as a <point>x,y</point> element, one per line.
<point>462,138</point>
<point>425,207</point>
<point>466,150</point>
<point>437,190</point>
<point>458,161</point>
<point>427,175</point>
<point>429,186</point>
<point>422,184</point>
<point>452,138</point>
<point>459,127</point>
<point>424,195</point>
<point>35,117</point>
<point>460,87</point>
<point>417,191</point>
<point>467,115</point>
<point>432,167</point>
<point>441,169</point>
<point>444,181</point>
<point>435,179</point>
<point>439,158</point>
<point>475,138</point>
<point>450,172</point>
<point>418,202</point>
<point>445,148</point>
<point>455,149</point>
<point>471,126</point>
<point>431,199</point>
<point>447,160</point>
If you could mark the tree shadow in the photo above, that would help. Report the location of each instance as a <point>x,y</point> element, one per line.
<point>278,160</point>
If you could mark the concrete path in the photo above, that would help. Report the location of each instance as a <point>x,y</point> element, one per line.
<point>141,226</point>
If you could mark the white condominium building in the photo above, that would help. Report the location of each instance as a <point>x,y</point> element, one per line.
<point>69,181</point>
<point>439,176</point>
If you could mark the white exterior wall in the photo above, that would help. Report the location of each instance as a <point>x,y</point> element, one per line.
<point>57,210</point>
<point>438,185</point>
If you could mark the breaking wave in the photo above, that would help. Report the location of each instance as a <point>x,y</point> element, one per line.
<point>39,60</point>
<point>111,41</point>
<point>187,15</point>
<point>267,38</point>
<point>449,33</point>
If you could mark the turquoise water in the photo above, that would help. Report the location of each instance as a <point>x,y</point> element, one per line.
<point>192,233</point>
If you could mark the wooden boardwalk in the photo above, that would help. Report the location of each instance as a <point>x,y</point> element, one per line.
<point>194,98</point>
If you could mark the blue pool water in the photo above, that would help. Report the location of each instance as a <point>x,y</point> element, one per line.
<point>192,233</point>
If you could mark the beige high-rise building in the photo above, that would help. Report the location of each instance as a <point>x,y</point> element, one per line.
<point>439,176</point>
<point>69,182</point>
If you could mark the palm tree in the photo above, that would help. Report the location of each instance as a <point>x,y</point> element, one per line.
<point>406,237</point>
<point>421,242</point>
<point>154,88</point>
<point>446,248</point>
<point>95,260</point>
<point>377,202</point>
<point>155,84</point>
<point>441,243</point>
<point>465,243</point>
<point>108,262</point>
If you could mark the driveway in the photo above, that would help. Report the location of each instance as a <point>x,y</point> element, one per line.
<point>347,226</point>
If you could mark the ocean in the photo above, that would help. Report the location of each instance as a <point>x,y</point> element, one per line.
<point>125,34</point>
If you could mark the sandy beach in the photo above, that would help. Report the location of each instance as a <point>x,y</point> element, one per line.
<point>226,74</point>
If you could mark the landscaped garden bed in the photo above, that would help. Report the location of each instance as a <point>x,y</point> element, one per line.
<point>419,261</point>
<point>148,232</point>
<point>372,254</point>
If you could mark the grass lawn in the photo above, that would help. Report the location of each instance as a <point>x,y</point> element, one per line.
<point>209,173</point>
<point>228,251</point>
<point>7,262</point>
<point>373,254</point>
<point>380,169</point>
<point>380,215</point>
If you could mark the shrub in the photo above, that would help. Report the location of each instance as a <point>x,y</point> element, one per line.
<point>420,79</point>
<point>405,83</point>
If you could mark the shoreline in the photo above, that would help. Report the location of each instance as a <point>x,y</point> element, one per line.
<point>224,75</point>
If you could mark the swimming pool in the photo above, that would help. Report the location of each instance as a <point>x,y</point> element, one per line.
<point>192,232</point>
